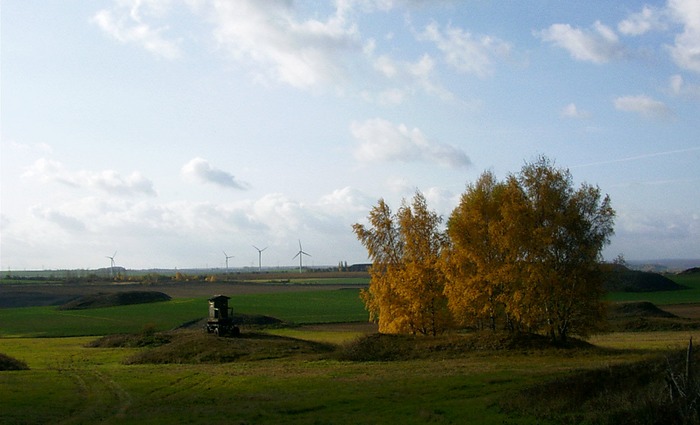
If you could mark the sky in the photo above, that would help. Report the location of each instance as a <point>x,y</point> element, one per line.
<point>174,131</point>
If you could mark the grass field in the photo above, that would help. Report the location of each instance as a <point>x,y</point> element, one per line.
<point>70,383</point>
<point>292,307</point>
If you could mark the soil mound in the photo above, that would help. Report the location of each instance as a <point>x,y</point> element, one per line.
<point>10,363</point>
<point>384,347</point>
<point>645,317</point>
<point>645,392</point>
<point>102,299</point>
<point>637,281</point>
<point>694,270</point>
<point>193,347</point>
<point>637,309</point>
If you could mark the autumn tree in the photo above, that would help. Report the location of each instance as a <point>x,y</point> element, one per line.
<point>405,294</point>
<point>563,234</point>
<point>527,250</point>
<point>475,264</point>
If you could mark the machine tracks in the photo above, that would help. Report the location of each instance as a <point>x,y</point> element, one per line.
<point>102,399</point>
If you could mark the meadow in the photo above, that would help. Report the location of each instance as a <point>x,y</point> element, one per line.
<point>69,382</point>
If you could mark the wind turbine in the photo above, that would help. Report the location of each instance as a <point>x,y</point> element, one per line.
<point>259,256</point>
<point>111,263</point>
<point>300,254</point>
<point>227,257</point>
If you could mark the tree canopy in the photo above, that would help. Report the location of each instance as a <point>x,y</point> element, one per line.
<point>522,254</point>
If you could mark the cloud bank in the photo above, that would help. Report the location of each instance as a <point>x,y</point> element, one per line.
<point>109,181</point>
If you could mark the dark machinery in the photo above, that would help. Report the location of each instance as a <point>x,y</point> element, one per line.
<point>220,321</point>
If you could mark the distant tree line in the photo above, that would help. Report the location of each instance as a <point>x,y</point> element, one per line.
<point>520,254</point>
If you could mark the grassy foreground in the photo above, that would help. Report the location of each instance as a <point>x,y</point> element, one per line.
<point>70,383</point>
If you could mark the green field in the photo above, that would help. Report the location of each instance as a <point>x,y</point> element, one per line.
<point>291,307</point>
<point>69,383</point>
<point>689,295</point>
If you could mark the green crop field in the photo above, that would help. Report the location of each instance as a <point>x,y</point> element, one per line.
<point>291,307</point>
<point>689,295</point>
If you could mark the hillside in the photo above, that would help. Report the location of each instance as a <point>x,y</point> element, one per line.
<point>622,279</point>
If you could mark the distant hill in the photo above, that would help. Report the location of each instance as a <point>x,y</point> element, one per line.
<point>694,270</point>
<point>622,279</point>
<point>664,265</point>
<point>114,299</point>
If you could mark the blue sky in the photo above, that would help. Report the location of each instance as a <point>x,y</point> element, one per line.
<point>170,131</point>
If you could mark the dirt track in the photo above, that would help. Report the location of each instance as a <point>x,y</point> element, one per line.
<point>26,295</point>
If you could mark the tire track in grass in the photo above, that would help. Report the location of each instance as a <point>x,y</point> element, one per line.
<point>102,397</point>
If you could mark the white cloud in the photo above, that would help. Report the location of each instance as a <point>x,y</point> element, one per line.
<point>302,53</point>
<point>126,22</point>
<point>598,45</point>
<point>347,199</point>
<point>572,111</point>
<point>679,87</point>
<point>686,49</point>
<point>381,140</point>
<point>646,20</point>
<point>200,169</point>
<point>647,235</point>
<point>465,52</point>
<point>109,181</point>
<point>643,105</point>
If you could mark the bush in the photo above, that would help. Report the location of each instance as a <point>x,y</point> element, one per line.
<point>10,363</point>
<point>649,392</point>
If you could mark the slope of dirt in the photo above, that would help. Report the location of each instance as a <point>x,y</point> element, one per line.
<point>198,347</point>
<point>11,363</point>
<point>694,270</point>
<point>637,309</point>
<point>637,281</point>
<point>114,299</point>
<point>644,317</point>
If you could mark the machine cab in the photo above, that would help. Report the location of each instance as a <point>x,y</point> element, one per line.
<point>218,308</point>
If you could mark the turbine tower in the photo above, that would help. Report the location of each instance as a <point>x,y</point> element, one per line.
<point>227,257</point>
<point>300,254</point>
<point>111,263</point>
<point>259,256</point>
